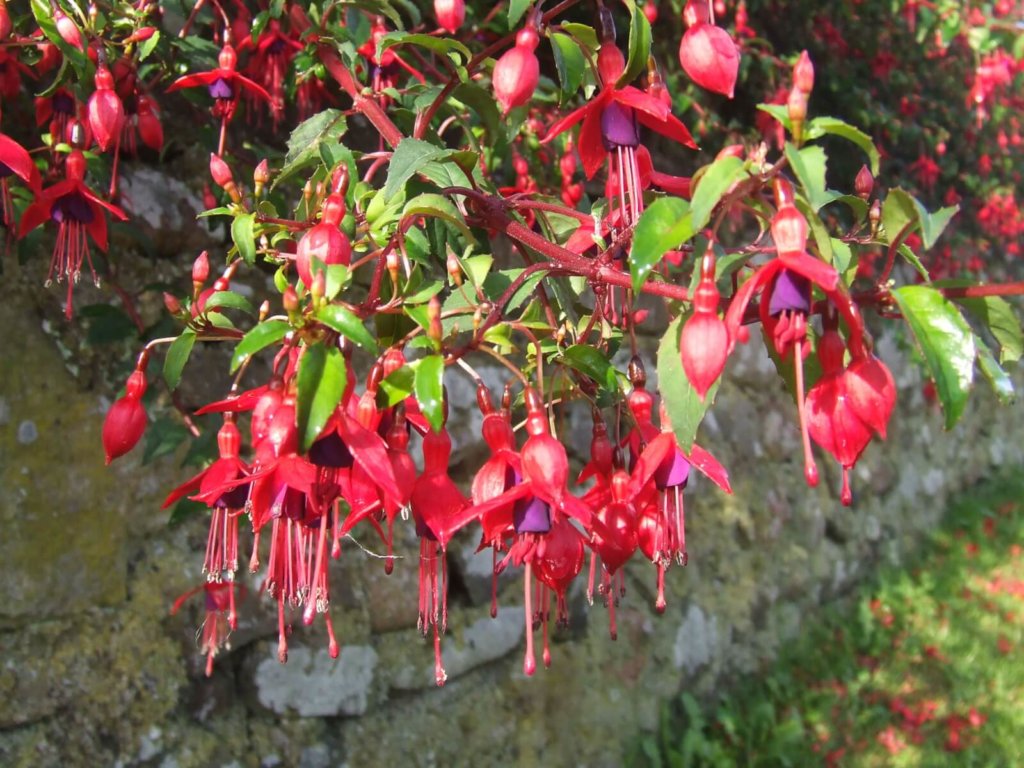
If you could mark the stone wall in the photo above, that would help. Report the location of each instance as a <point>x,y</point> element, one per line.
<point>96,671</point>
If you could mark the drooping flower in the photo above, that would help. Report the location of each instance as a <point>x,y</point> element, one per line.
<point>704,341</point>
<point>610,125</point>
<point>707,53</point>
<point>517,71</point>
<point>78,212</point>
<point>450,14</point>
<point>324,242</point>
<point>105,110</point>
<point>274,51</point>
<point>219,620</point>
<point>126,420</point>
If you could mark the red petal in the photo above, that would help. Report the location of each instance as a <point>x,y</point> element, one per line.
<point>372,454</point>
<point>590,145</point>
<point>236,404</point>
<point>659,449</point>
<point>567,122</point>
<point>14,156</point>
<point>670,127</point>
<point>249,85</point>
<point>194,81</point>
<point>97,228</point>
<point>710,467</point>
<point>815,270</point>
<point>642,102</point>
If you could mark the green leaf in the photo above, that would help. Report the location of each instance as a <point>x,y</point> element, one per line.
<point>713,183</point>
<point>996,314</point>
<point>244,236</point>
<point>684,407</point>
<point>177,356</point>
<point>148,46</point>
<point>999,379</point>
<point>587,360</point>
<point>429,389</point>
<point>516,9</point>
<point>397,385</point>
<point>79,61</point>
<point>639,44</point>
<point>933,224</point>
<point>305,141</point>
<point>228,300</point>
<point>809,166</point>
<point>481,102</point>
<point>945,341</point>
<point>259,337</point>
<point>438,206</point>
<point>445,46</point>
<point>321,383</point>
<point>899,214</point>
<point>780,112</point>
<point>819,126</point>
<point>347,323</point>
<point>570,64</point>
<point>410,156</point>
<point>663,226</point>
<point>582,32</point>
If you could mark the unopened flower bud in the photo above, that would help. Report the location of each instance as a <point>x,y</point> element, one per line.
<point>434,329</point>
<point>875,216</point>
<point>803,74</point>
<point>201,269</point>
<point>222,177</point>
<point>171,303</point>
<point>450,14</point>
<point>393,265</point>
<point>264,310</point>
<point>261,176</point>
<point>864,184</point>
<point>6,27</point>
<point>796,107</point>
<point>67,29</point>
<point>290,299</point>
<point>319,286</point>
<point>454,269</point>
<point>209,200</point>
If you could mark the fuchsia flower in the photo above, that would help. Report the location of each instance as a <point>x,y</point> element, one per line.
<point>707,53</point>
<point>450,14</point>
<point>126,419</point>
<point>220,619</point>
<point>325,241</point>
<point>704,341</point>
<point>77,211</point>
<point>105,110</point>
<point>274,51</point>
<point>610,125</point>
<point>517,71</point>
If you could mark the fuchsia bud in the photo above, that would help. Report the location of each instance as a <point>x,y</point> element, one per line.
<point>126,419</point>
<point>864,184</point>
<point>450,14</point>
<point>650,10</point>
<point>67,29</point>
<point>325,241</point>
<point>704,342</point>
<point>220,172</point>
<point>516,73</point>
<point>151,131</point>
<point>105,110</point>
<point>708,54</point>
<point>201,269</point>
<point>803,74</point>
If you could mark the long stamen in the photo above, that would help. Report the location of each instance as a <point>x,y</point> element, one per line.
<point>545,602</point>
<point>529,660</point>
<point>810,469</point>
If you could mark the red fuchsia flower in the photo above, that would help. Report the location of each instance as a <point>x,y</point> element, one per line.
<point>324,242</point>
<point>787,281</point>
<point>66,28</point>
<point>77,211</point>
<point>6,27</point>
<point>927,172</point>
<point>105,110</point>
<point>218,487</point>
<point>436,506</point>
<point>704,342</point>
<point>219,621</point>
<point>450,14</point>
<point>385,68</point>
<point>269,63</point>
<point>11,73</point>
<point>517,71</point>
<point>846,406</point>
<point>610,125</point>
<point>707,53</point>
<point>15,161</point>
<point>225,86</point>
<point>56,112</point>
<point>126,419</point>
<point>656,456</point>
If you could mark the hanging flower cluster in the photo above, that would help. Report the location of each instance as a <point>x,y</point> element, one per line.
<point>453,227</point>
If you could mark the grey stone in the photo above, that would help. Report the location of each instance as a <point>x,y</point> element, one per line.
<point>312,684</point>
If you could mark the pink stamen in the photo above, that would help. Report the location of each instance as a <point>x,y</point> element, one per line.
<point>810,469</point>
<point>529,660</point>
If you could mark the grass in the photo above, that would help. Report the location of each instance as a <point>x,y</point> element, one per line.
<point>925,669</point>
